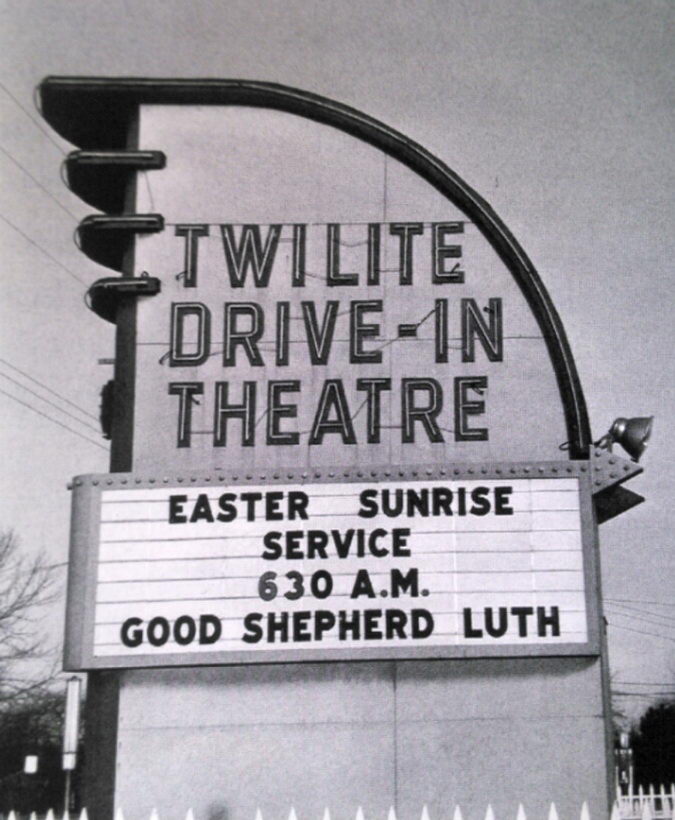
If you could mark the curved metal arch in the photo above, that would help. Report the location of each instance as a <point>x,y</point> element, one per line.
<point>94,113</point>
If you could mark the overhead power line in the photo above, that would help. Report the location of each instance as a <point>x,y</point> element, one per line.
<point>40,248</point>
<point>649,695</point>
<point>626,609</point>
<point>649,609</point>
<point>638,601</point>
<point>32,119</point>
<point>55,421</point>
<point>649,621</point>
<point>54,199</point>
<point>643,610</point>
<point>50,403</point>
<point>643,632</point>
<point>48,389</point>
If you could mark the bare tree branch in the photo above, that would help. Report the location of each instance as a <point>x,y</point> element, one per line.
<point>26,584</point>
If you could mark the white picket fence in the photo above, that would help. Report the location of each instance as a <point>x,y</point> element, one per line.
<point>645,805</point>
<point>650,805</point>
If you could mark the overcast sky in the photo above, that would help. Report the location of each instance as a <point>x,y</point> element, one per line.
<point>559,114</point>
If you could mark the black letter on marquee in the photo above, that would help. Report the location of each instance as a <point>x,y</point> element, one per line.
<point>522,613</point>
<point>177,356</point>
<point>250,252</point>
<point>404,582</point>
<point>427,415</point>
<point>502,499</point>
<point>469,630</point>
<point>373,387</point>
<point>465,408</point>
<point>358,331</point>
<point>248,339</point>
<point>490,334</point>
<point>544,621</point>
<point>244,411</point>
<point>440,252</point>
<point>363,585</point>
<point>202,510</point>
<point>254,631</point>
<point>130,635</point>
<point>421,622</point>
<point>211,635</point>
<point>276,410</point>
<point>319,341</point>
<point>186,391</point>
<point>333,275</point>
<point>176,514</point>
<point>184,636</point>
<point>332,397</point>
<point>499,630</point>
<point>405,231</point>
<point>191,234</point>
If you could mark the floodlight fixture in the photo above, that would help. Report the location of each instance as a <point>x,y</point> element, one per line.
<point>632,434</point>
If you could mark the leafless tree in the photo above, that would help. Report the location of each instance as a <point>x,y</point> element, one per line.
<point>26,584</point>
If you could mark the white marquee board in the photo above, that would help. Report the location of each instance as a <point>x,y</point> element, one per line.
<point>414,563</point>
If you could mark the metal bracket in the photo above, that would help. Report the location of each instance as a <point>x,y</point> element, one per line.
<point>608,473</point>
<point>106,294</point>
<point>609,470</point>
<point>614,501</point>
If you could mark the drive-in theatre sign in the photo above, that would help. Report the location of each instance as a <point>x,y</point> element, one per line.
<point>345,420</point>
<point>345,426</point>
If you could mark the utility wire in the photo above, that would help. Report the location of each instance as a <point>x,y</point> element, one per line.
<point>649,609</point>
<point>32,119</point>
<point>50,403</point>
<point>642,620</point>
<point>38,183</point>
<point>649,695</point>
<point>636,601</point>
<point>625,609</point>
<point>40,248</point>
<point>643,632</point>
<point>60,424</point>
<point>150,196</point>
<point>650,613</point>
<point>48,389</point>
